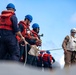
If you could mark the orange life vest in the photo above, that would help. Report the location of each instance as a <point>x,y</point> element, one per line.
<point>24,32</point>
<point>45,57</point>
<point>5,21</point>
<point>24,27</point>
<point>33,33</point>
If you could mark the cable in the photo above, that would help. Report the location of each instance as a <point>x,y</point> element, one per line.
<point>53,49</point>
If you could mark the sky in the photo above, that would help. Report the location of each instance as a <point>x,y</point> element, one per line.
<point>55,17</point>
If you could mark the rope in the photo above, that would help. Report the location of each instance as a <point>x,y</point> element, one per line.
<point>25,54</point>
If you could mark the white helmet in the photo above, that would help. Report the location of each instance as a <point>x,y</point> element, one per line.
<point>73,30</point>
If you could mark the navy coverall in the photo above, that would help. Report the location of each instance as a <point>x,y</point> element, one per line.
<point>47,64</point>
<point>8,42</point>
<point>30,59</point>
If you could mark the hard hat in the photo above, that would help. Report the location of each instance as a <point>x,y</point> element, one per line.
<point>73,30</point>
<point>48,52</point>
<point>10,5</point>
<point>35,25</point>
<point>29,17</point>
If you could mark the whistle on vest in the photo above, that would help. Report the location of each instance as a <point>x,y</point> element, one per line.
<point>28,32</point>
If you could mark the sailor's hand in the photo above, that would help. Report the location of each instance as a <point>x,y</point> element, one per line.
<point>23,39</point>
<point>65,51</point>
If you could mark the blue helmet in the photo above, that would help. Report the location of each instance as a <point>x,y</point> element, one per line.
<point>10,5</point>
<point>35,25</point>
<point>48,52</point>
<point>29,17</point>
